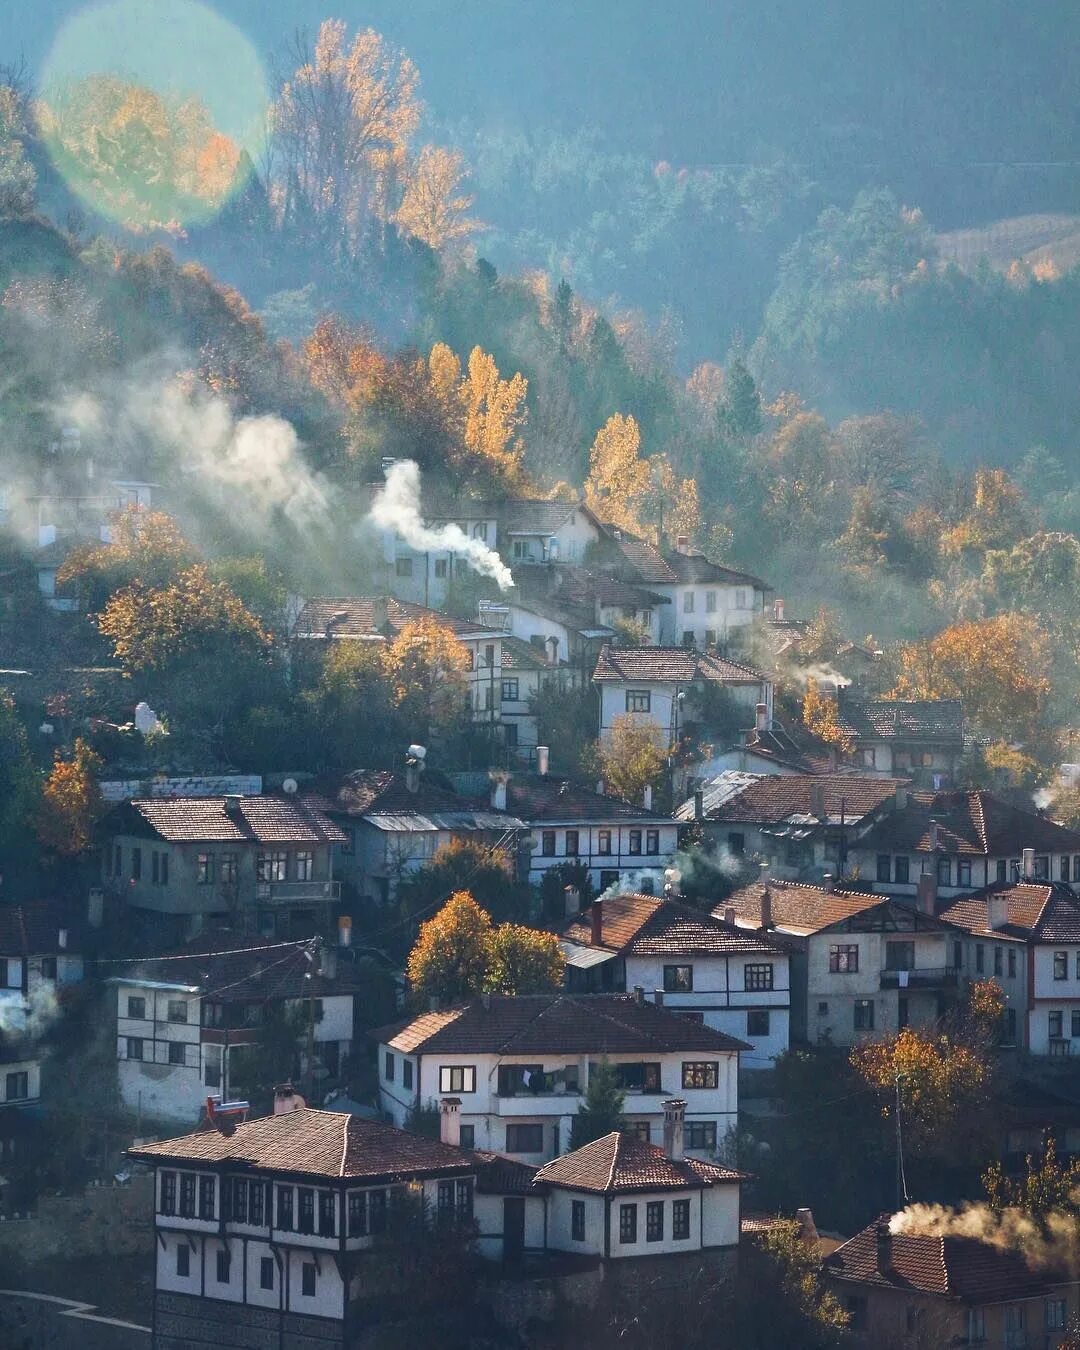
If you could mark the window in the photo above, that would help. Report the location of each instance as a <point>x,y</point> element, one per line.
<point>944,871</point>
<point>308,1278</point>
<point>204,868</point>
<point>999,960</point>
<point>468,1136</point>
<point>327,1226</point>
<point>1012,963</point>
<point>603,841</point>
<point>688,602</point>
<point>1056,1025</point>
<point>757,1022</point>
<point>377,1211</point>
<point>524,1138</point>
<point>357,1214</point>
<point>457,1078</point>
<point>635,841</point>
<point>406,1073</point>
<point>654,1221</point>
<point>266,1272</point>
<point>17,1086</point>
<point>1055,1314</point>
<point>257,1195</point>
<point>155,867</point>
<point>136,1008</point>
<point>758,976</point>
<point>678,979</point>
<point>177,1052</point>
<point>1042,868</point>
<point>187,1195</point>
<point>223,1266</point>
<point>637,1077</point>
<point>577,1220</point>
<point>118,861</point>
<point>1002,869</point>
<point>571,843</point>
<point>464,1206</point>
<point>701,1136</point>
<point>272,866</point>
<point>285,1207</point>
<point>445,1205</point>
<point>628,1223</point>
<point>403,567</point>
<point>963,872</point>
<point>884,867</point>
<point>168,1192</point>
<point>510,691</point>
<point>958,955</point>
<point>864,1014</point>
<point>1009,1034</point>
<point>440,568</point>
<point>1061,965</point>
<point>305,864</point>
<point>183,1259</point>
<point>680,1220</point>
<point>688,637</point>
<point>1014,1325</point>
<point>980,958</point>
<point>136,864</point>
<point>239,1200</point>
<point>306,1210</point>
<point>823,1010</point>
<point>737,843</point>
<point>609,877</point>
<point>901,873</point>
<point>388,1067</point>
<point>134,1047</point>
<point>227,869</point>
<point>899,956</point>
<point>844,959</point>
<point>652,842</point>
<point>710,637</point>
<point>206,1197</point>
<point>1075,1022</point>
<point>177,1010</point>
<point>638,700</point>
<point>700,1073</point>
<point>547,843</point>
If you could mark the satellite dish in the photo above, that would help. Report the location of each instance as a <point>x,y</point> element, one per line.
<point>418,752</point>
<point>290,785</point>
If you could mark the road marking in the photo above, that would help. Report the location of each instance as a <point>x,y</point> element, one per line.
<point>83,1312</point>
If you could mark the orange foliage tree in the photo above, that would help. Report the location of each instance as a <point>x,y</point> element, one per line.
<point>145,546</point>
<point>821,718</point>
<point>71,802</point>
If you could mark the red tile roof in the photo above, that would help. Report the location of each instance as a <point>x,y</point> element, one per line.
<point>257,971</point>
<point>774,798</point>
<point>315,1143</point>
<point>645,925</point>
<point>1040,911</point>
<point>798,907</point>
<point>969,823</point>
<point>263,820</point>
<point>34,929</point>
<point>670,665</point>
<point>897,719</point>
<point>371,791</point>
<point>549,799</point>
<point>949,1267</point>
<point>372,617</point>
<point>695,569</point>
<point>552,1024</point>
<point>618,1163</point>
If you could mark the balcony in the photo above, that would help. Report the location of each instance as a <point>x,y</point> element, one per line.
<point>536,1103</point>
<point>296,892</point>
<point>925,977</point>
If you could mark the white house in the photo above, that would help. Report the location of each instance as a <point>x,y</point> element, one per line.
<point>545,532</point>
<point>611,838</point>
<point>521,1067</point>
<point>728,978</point>
<point>40,957</point>
<point>183,1022</point>
<point>668,688</point>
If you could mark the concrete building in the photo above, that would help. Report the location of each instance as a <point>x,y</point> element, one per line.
<point>730,978</point>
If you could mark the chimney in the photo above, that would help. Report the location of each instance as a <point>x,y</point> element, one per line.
<point>542,754</point>
<point>599,787</point>
<point>412,775</point>
<point>997,911</point>
<point>729,915</point>
<point>761,717</point>
<point>658,997</point>
<point>328,963</point>
<point>926,895</point>
<point>935,836</point>
<point>778,610</point>
<point>900,800</point>
<point>571,901</point>
<point>699,805</point>
<point>766,908</point>
<point>639,995</point>
<point>682,543</point>
<point>828,881</point>
<point>817,800</point>
<point>674,1129</point>
<point>551,646</point>
<point>233,802</point>
<point>1027,864</point>
<point>498,791</point>
<point>62,939</point>
<point>450,1121</point>
<point>884,1247</point>
<point>380,616</point>
<point>646,797</point>
<point>596,918</point>
<point>808,1232</point>
<point>286,1099</point>
<point>344,930</point>
<point>95,907</point>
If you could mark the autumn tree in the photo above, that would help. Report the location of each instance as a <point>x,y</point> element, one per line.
<point>601,1109</point>
<point>433,207</point>
<point>486,415</point>
<point>450,959</point>
<point>994,520</point>
<point>350,707</point>
<point>523,960</point>
<point>427,669</point>
<point>999,667</point>
<point>144,546</point>
<point>1048,1185</point>
<point>71,802</point>
<point>18,179</point>
<point>821,717</point>
<point>632,757</point>
<point>618,476</point>
<point>487,873</point>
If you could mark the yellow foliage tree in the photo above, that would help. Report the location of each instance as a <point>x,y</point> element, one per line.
<point>632,757</point>
<point>485,413</point>
<point>449,960</point>
<point>145,546</point>
<point>618,477</point>
<point>433,209</point>
<point>995,518</point>
<point>523,960</point>
<point>999,667</point>
<point>427,668</point>
<point>822,719</point>
<point>71,802</point>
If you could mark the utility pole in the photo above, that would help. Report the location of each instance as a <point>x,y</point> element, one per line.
<point>901,1179</point>
<point>310,1065</point>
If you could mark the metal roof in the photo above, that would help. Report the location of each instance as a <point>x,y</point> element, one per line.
<point>398,822</point>
<point>584,957</point>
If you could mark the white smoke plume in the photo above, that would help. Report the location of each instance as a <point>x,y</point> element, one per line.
<point>397,507</point>
<point>1050,1242</point>
<point>643,881</point>
<point>823,675</point>
<point>32,1017</point>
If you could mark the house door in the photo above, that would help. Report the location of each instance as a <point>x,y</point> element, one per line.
<point>513,1227</point>
<point>902,1015</point>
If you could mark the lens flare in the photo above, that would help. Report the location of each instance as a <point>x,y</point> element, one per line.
<point>153,112</point>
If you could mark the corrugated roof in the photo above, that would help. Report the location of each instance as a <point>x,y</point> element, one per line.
<point>621,1162</point>
<point>400,822</point>
<point>260,970</point>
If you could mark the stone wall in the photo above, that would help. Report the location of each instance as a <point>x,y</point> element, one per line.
<point>185,1323</point>
<point>117,1219</point>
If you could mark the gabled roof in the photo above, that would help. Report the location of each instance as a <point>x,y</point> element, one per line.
<point>375,618</point>
<point>552,1024</point>
<point>314,1143</point>
<point>695,568</point>
<point>637,560</point>
<point>1036,911</point>
<point>899,719</point>
<point>968,823</point>
<point>519,655</point>
<point>645,925</point>
<point>256,971</point>
<point>958,1268</point>
<point>582,586</point>
<point>263,820</point>
<point>798,907</point>
<point>545,799</point>
<point>33,929</point>
<point>769,799</point>
<point>382,798</point>
<point>523,516</point>
<point>670,665</point>
<point>618,1163</point>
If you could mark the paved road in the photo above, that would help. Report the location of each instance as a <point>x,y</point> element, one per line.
<point>30,1321</point>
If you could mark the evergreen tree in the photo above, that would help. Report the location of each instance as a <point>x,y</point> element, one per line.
<point>601,1111</point>
<point>740,412</point>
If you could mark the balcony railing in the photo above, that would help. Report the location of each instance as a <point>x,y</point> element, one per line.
<point>296,892</point>
<point>925,977</point>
